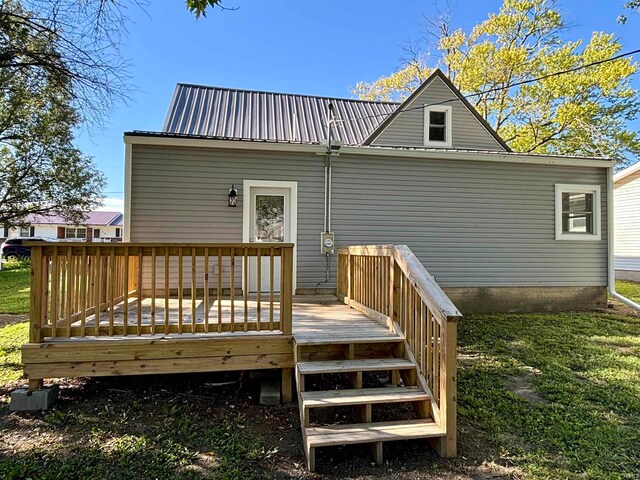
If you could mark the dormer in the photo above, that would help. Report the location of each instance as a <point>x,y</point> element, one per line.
<point>437,115</point>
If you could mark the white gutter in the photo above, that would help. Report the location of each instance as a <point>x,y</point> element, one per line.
<point>610,242</point>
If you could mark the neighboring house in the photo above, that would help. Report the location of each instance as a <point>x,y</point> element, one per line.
<point>97,227</point>
<point>499,230</point>
<point>627,223</point>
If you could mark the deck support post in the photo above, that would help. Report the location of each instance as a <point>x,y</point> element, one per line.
<point>38,304</point>
<point>446,446</point>
<point>287,386</point>
<point>35,384</point>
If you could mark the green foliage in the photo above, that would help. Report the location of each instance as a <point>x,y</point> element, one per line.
<point>199,7</point>
<point>41,171</point>
<point>630,5</point>
<point>11,339</point>
<point>182,446</point>
<point>14,287</point>
<point>585,112</point>
<point>583,368</point>
<point>631,290</point>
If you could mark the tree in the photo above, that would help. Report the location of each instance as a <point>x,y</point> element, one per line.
<point>585,112</point>
<point>40,169</point>
<point>630,5</point>
<point>60,69</point>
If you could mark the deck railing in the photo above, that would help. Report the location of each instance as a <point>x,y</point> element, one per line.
<point>101,289</point>
<point>388,282</point>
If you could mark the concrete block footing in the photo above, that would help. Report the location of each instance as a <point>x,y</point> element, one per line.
<point>24,400</point>
<point>270,392</point>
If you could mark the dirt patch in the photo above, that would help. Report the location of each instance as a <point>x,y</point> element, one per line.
<point>521,386</point>
<point>113,408</point>
<point>11,318</point>
<point>620,308</point>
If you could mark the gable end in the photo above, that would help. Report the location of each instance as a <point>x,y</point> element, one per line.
<point>405,127</point>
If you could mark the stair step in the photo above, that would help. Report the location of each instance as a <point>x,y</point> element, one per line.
<point>365,365</point>
<point>303,340</point>
<point>360,396</point>
<point>371,432</point>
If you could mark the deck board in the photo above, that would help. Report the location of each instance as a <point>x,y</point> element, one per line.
<point>315,318</point>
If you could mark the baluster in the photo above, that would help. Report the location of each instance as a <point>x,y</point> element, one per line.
<point>180,286</point>
<point>153,290</point>
<point>139,288</point>
<point>206,289</point>
<point>245,288</point>
<point>193,290</point>
<point>53,315</point>
<point>232,284</point>
<point>127,289</point>
<point>259,287</point>
<point>167,314</point>
<point>219,289</point>
<point>271,285</point>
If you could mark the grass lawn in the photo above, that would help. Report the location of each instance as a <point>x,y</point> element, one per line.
<point>631,290</point>
<point>540,396</point>
<point>14,287</point>
<point>559,394</point>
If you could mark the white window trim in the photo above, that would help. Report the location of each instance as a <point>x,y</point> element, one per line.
<point>437,108</point>
<point>597,216</point>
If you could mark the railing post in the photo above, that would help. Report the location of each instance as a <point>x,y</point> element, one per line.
<point>395,291</point>
<point>448,388</point>
<point>391,295</point>
<point>349,281</point>
<point>286,290</point>
<point>37,308</point>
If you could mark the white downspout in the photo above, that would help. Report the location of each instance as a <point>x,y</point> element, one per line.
<point>610,242</point>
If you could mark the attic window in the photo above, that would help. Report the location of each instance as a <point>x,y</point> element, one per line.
<point>437,126</point>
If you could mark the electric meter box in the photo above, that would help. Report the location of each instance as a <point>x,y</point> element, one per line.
<point>327,242</point>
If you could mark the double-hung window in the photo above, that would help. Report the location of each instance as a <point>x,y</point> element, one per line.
<point>578,212</point>
<point>77,233</point>
<point>437,126</point>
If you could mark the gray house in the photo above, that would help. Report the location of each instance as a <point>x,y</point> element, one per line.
<point>499,230</point>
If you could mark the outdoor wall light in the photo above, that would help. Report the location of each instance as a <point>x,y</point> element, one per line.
<point>233,196</point>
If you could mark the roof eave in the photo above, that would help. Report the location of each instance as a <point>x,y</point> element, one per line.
<point>159,139</point>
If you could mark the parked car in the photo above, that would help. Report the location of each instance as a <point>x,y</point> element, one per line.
<point>16,249</point>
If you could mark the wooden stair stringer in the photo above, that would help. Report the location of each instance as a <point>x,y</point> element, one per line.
<point>366,432</point>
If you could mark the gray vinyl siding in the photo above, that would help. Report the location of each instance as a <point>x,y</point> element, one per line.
<point>472,224</point>
<point>627,223</point>
<point>180,195</point>
<point>407,129</point>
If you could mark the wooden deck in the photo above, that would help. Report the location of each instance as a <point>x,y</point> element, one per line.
<point>134,309</point>
<point>316,319</point>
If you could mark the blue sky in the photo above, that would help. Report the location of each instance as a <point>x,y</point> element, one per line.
<point>320,48</point>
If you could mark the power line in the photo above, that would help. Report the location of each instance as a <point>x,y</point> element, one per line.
<point>496,89</point>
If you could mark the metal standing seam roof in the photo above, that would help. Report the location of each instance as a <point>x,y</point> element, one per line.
<point>217,112</point>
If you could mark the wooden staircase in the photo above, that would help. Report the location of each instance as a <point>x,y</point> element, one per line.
<point>353,357</point>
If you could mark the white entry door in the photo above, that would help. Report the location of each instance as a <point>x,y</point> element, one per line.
<point>270,221</point>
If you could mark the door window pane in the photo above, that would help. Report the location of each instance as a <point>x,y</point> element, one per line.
<point>269,218</point>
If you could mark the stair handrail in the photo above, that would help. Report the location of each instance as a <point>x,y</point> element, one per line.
<point>432,346</point>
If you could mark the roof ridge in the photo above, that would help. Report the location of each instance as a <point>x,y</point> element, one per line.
<point>245,90</point>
